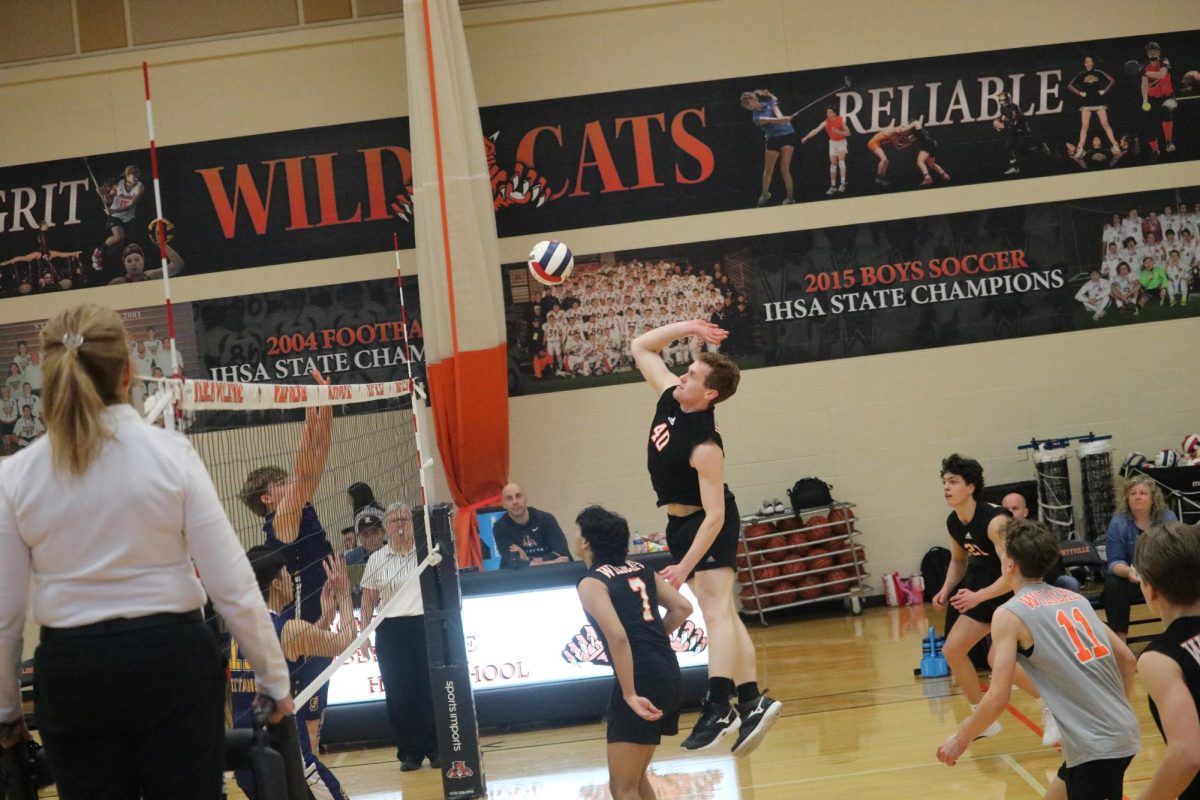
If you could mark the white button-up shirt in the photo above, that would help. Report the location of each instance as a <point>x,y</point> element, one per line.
<point>391,573</point>
<point>124,539</point>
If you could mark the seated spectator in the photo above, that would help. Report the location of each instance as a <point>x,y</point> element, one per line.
<point>1140,506</point>
<point>368,525</point>
<point>352,551</point>
<point>526,536</point>
<point>1015,504</point>
<point>361,496</point>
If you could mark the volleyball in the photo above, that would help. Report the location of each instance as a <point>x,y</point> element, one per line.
<point>1166,458</point>
<point>1133,461</point>
<point>551,262</point>
<point>1191,444</point>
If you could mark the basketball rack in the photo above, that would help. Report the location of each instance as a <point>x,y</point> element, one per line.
<point>835,539</point>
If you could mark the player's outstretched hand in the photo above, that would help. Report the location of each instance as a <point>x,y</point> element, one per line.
<point>335,576</point>
<point>643,708</point>
<point>707,332</point>
<point>951,750</point>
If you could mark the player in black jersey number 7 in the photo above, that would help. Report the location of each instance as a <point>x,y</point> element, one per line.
<point>621,600</point>
<point>686,459</point>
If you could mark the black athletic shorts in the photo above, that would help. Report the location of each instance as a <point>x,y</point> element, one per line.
<point>681,532</point>
<point>626,726</point>
<point>777,143</point>
<point>1102,779</point>
<point>982,612</point>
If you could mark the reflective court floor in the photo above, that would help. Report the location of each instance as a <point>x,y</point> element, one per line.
<point>856,723</point>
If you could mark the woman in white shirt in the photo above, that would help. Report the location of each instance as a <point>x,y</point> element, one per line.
<point>113,518</point>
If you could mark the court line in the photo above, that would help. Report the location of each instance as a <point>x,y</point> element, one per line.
<point>1024,773</point>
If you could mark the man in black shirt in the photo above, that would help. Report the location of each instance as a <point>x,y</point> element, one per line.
<point>621,601</point>
<point>686,460</point>
<point>1168,563</point>
<point>526,536</point>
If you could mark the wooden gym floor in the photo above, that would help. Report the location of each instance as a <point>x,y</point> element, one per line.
<point>856,723</point>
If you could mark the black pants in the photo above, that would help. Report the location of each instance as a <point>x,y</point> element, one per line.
<point>404,667</point>
<point>140,713</point>
<point>1119,595</point>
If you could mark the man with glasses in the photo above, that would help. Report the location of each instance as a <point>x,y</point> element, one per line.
<point>400,639</point>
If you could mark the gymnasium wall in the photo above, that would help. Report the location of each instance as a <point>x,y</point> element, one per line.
<point>875,427</point>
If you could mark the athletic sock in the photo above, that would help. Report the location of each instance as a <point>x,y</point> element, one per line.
<point>747,692</point>
<point>719,691</point>
<point>1168,130</point>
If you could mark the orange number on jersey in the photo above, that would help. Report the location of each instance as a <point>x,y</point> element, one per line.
<point>1082,651</point>
<point>639,585</point>
<point>660,436</point>
<point>974,551</point>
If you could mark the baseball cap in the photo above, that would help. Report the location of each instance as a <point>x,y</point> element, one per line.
<point>367,517</point>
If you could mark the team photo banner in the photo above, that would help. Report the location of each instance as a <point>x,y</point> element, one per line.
<point>854,290</point>
<point>616,157</point>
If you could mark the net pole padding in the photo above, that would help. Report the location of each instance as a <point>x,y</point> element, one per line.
<point>422,464</point>
<point>364,635</point>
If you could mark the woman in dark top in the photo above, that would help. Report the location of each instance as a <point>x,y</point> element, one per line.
<point>1091,85</point>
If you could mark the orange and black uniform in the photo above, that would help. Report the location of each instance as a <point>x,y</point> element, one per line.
<point>983,563</point>
<point>674,434</point>
<point>1180,642</point>
<point>656,675</point>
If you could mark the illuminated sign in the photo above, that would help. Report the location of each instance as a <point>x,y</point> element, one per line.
<point>523,639</point>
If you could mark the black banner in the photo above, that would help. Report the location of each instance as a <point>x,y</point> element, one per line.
<point>350,332</point>
<point>610,158</point>
<point>865,289</point>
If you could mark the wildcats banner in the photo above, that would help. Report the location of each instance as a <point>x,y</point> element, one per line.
<point>616,157</point>
<point>865,289</point>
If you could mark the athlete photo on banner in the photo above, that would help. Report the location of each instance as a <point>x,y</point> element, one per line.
<point>854,290</point>
<point>623,156</point>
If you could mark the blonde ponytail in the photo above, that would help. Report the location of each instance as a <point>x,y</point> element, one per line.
<point>84,356</point>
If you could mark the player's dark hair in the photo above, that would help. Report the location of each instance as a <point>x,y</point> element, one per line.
<point>1032,546</point>
<point>1168,558</point>
<point>266,564</point>
<point>970,470</point>
<point>255,486</point>
<point>723,375</point>
<point>606,533</point>
<point>133,248</point>
<point>361,496</point>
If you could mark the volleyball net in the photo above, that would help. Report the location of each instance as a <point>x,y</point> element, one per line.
<point>347,457</point>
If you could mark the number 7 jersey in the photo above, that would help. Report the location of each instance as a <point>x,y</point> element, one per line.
<point>1072,664</point>
<point>634,596</point>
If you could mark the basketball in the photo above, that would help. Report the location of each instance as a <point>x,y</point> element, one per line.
<point>788,590</point>
<point>550,262</point>
<point>819,558</point>
<point>793,568</point>
<point>838,579</point>
<point>848,556</point>
<point>841,518</point>
<point>797,539</point>
<point>778,545</point>
<point>766,574</point>
<point>809,588</point>
<point>745,561</point>
<point>1191,444</point>
<point>748,601</point>
<point>756,535</point>
<point>818,527</point>
<point>787,524</point>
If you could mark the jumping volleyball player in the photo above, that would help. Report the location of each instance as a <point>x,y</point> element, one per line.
<point>686,459</point>
<point>621,599</point>
<point>975,585</point>
<point>308,649</point>
<point>1080,665</point>
<point>291,524</point>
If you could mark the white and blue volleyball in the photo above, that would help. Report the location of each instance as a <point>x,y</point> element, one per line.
<point>1166,458</point>
<point>1132,463</point>
<point>551,262</point>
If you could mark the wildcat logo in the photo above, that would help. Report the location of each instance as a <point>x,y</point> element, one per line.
<point>459,769</point>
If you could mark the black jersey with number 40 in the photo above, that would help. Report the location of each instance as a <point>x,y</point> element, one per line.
<point>673,436</point>
<point>634,595</point>
<point>972,536</point>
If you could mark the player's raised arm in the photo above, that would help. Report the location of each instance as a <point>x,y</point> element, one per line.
<point>648,347</point>
<point>311,457</point>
